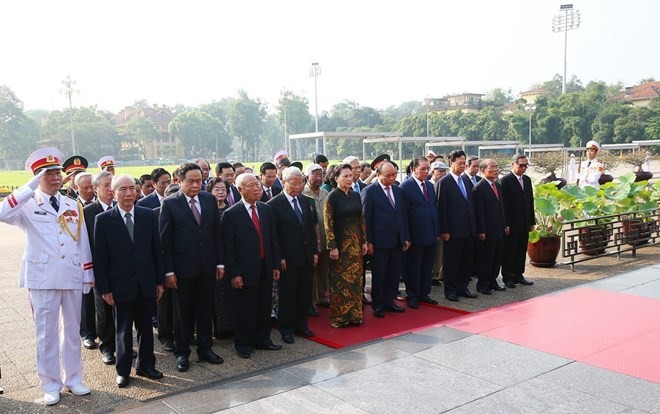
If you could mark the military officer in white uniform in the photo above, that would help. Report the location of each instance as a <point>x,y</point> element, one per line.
<point>56,269</point>
<point>591,169</point>
<point>107,163</point>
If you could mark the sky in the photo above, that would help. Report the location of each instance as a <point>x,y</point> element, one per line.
<point>375,53</point>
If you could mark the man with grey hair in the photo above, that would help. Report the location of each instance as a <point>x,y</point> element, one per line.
<point>83,182</point>
<point>295,223</point>
<point>206,169</point>
<point>313,190</point>
<point>105,327</point>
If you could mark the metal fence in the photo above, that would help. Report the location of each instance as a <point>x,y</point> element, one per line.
<point>588,239</point>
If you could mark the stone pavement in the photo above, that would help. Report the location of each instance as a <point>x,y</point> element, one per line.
<point>309,377</point>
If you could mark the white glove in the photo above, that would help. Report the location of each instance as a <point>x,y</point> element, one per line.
<point>34,182</point>
<point>87,287</point>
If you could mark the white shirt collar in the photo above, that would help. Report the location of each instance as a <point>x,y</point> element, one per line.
<point>419,183</point>
<point>105,206</point>
<point>456,177</point>
<point>190,198</point>
<point>248,207</point>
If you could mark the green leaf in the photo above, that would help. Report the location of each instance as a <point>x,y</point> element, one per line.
<point>534,236</point>
<point>569,214</point>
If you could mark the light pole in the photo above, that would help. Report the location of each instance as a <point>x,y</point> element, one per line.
<point>68,89</point>
<point>563,23</point>
<point>314,72</point>
<point>530,108</point>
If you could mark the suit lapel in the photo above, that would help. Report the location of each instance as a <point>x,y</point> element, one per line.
<point>121,225</point>
<point>289,207</point>
<point>186,208</point>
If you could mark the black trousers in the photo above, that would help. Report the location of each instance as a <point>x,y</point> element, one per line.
<point>88,317</point>
<point>457,263</point>
<point>126,314</point>
<point>252,313</point>
<point>295,294</point>
<point>193,301</point>
<point>385,272</point>
<point>513,262</point>
<point>419,270</point>
<point>165,308</point>
<point>489,259</point>
<point>105,324</point>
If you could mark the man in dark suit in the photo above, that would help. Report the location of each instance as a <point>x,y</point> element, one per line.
<point>295,226</point>
<point>519,209</point>
<point>471,171</point>
<point>457,226</point>
<point>162,179</point>
<point>386,221</point>
<point>252,261</point>
<point>83,182</point>
<point>424,233</point>
<point>490,225</point>
<point>268,172</point>
<point>191,237</point>
<point>227,172</point>
<point>105,326</point>
<point>129,276</point>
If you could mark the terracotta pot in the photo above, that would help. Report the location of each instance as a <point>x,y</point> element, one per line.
<point>593,240</point>
<point>544,252</point>
<point>643,176</point>
<point>636,231</point>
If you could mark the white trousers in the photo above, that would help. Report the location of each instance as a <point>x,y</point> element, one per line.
<point>57,319</point>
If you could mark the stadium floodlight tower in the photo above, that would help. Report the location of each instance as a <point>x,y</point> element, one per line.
<point>563,22</point>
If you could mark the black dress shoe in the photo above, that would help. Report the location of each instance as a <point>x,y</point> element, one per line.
<point>485,291</point>
<point>510,284</point>
<point>271,347</point>
<point>151,373</point>
<point>211,357</point>
<point>524,281</point>
<point>243,354</point>
<point>378,312</point>
<point>305,332</point>
<point>312,312</point>
<point>89,343</point>
<point>108,358</point>
<point>451,297</point>
<point>413,303</point>
<point>428,299</point>
<point>435,282</point>
<point>498,288</point>
<point>182,364</point>
<point>467,294</point>
<point>168,345</point>
<point>123,381</point>
<point>288,339</point>
<point>394,308</point>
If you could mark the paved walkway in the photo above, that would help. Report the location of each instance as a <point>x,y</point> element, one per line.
<point>438,370</point>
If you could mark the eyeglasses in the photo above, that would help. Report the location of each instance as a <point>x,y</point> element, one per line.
<point>522,165</point>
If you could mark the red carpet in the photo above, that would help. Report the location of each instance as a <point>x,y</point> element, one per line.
<point>393,324</point>
<point>616,331</point>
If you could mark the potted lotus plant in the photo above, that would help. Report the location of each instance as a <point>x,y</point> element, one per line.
<point>551,209</point>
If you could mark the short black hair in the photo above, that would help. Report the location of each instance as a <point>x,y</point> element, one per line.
<point>159,172</point>
<point>145,177</point>
<point>267,166</point>
<point>283,162</point>
<point>472,158</point>
<point>456,154</point>
<point>364,165</point>
<point>188,166</point>
<point>320,158</point>
<point>238,165</point>
<point>222,165</point>
<point>337,172</point>
<point>416,161</point>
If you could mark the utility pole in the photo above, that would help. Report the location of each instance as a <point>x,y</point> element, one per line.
<point>68,89</point>
<point>569,20</point>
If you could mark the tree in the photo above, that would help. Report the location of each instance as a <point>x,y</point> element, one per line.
<point>19,134</point>
<point>499,96</point>
<point>246,118</point>
<point>200,134</point>
<point>141,131</point>
<point>298,118</point>
<point>140,104</point>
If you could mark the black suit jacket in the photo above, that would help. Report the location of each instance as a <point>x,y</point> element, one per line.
<point>297,243</point>
<point>242,243</point>
<point>386,226</point>
<point>191,249</point>
<point>274,191</point>
<point>456,213</point>
<point>468,181</point>
<point>518,204</point>
<point>90,212</point>
<point>150,201</point>
<point>489,210</point>
<point>123,266</point>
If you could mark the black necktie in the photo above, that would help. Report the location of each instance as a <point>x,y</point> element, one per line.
<point>588,164</point>
<point>53,202</point>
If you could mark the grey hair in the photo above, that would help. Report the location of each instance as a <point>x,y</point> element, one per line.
<point>349,160</point>
<point>116,178</point>
<point>80,176</point>
<point>518,156</point>
<point>485,163</point>
<point>239,180</point>
<point>290,172</point>
<point>96,181</point>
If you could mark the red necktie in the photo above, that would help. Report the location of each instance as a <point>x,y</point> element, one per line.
<point>495,190</point>
<point>257,225</point>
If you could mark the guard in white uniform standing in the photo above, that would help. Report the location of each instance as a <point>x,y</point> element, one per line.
<point>56,269</point>
<point>592,168</point>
